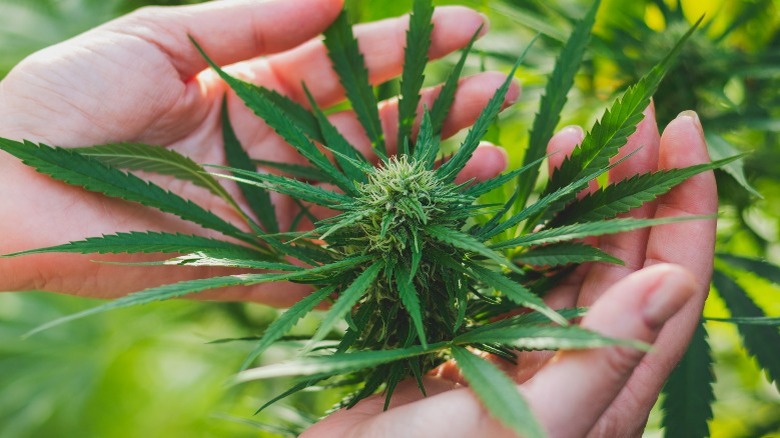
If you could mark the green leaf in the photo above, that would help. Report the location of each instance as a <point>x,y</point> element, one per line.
<point>553,100</point>
<point>201,258</point>
<point>294,111</point>
<point>286,322</point>
<point>295,388</point>
<point>630,193</point>
<point>454,165</point>
<point>274,117</point>
<point>307,173</point>
<point>258,199</point>
<point>615,126</point>
<point>148,242</point>
<point>756,320</point>
<point>288,186</point>
<point>578,231</point>
<point>411,301</point>
<point>545,337</point>
<point>443,103</point>
<point>498,393</point>
<point>337,363</point>
<point>347,156</point>
<point>719,148</point>
<point>349,64</point>
<point>418,41</point>
<point>346,300</point>
<point>760,341</point>
<point>427,145</point>
<point>182,288</point>
<point>762,268</point>
<point>516,292</point>
<point>155,159</point>
<point>561,254</point>
<point>688,395</point>
<point>90,173</point>
<point>481,188</point>
<point>466,242</point>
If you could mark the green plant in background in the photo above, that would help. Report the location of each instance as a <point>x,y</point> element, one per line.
<point>418,267</point>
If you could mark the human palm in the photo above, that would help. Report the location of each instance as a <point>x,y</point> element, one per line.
<point>140,79</point>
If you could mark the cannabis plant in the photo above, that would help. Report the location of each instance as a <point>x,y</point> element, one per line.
<point>415,268</point>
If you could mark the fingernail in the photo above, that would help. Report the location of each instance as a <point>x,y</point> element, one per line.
<point>573,130</point>
<point>695,118</point>
<point>671,293</point>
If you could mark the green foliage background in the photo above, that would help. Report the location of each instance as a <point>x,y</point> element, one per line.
<point>149,371</point>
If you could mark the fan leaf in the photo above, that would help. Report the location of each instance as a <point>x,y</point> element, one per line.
<point>561,254</point>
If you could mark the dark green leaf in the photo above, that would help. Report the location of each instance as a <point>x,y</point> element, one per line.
<point>411,301</point>
<point>465,241</point>
<point>418,41</point>
<point>553,101</point>
<point>544,337</point>
<point>756,320</point>
<point>307,173</point>
<point>688,391</point>
<point>563,254</point>
<point>762,268</point>
<point>346,300</point>
<point>256,197</point>
<point>498,393</point>
<point>337,363</point>
<point>349,64</point>
<point>90,173</point>
<point>455,164</point>
<point>287,321</point>
<point>761,342</point>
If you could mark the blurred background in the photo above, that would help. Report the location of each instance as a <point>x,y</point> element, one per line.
<point>153,371</point>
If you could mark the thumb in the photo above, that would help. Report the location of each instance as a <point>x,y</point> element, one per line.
<point>578,386</point>
<point>229,31</point>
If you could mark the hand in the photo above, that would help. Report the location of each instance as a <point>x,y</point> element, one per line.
<point>656,297</point>
<point>139,79</point>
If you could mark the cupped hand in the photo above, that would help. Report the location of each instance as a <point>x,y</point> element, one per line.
<point>656,297</point>
<point>139,79</point>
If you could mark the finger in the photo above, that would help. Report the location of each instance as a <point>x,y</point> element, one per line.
<point>487,162</point>
<point>584,383</point>
<point>382,44</point>
<point>229,31</point>
<point>561,146</point>
<point>689,244</point>
<point>630,246</point>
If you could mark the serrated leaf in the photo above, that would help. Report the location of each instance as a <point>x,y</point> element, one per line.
<point>175,290</point>
<point>630,193</point>
<point>274,117</point>
<point>427,145</point>
<point>615,126</point>
<point>408,294</point>
<point>91,174</point>
<point>156,159</point>
<point>498,393</point>
<point>286,322</point>
<point>337,363</point>
<point>307,173</point>
<point>516,292</point>
<point>762,268</point>
<point>687,405</point>
<point>545,337</point>
<point>553,100</point>
<point>202,258</point>
<point>761,342</point>
<point>350,66</point>
<point>418,41</point>
<point>578,231</point>
<point>443,103</point>
<point>288,186</point>
<point>147,242</point>
<point>484,187</point>
<point>454,165</point>
<point>561,254</point>
<point>466,242</point>
<point>346,300</point>
<point>294,111</point>
<point>346,155</point>
<point>258,199</point>
<point>295,388</point>
<point>720,148</point>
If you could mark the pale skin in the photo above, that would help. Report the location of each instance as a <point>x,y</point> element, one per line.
<point>139,79</point>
